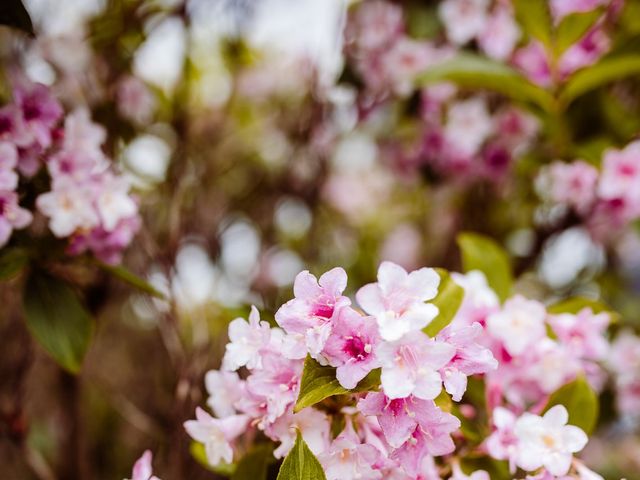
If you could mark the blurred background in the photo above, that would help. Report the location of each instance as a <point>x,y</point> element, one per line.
<point>265,137</point>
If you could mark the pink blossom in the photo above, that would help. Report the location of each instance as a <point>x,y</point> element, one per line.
<point>309,315</point>
<point>134,100</point>
<point>548,441</point>
<point>502,444</point>
<point>312,424</point>
<point>377,24</point>
<point>142,468</point>
<point>519,324</point>
<point>620,179</point>
<point>411,366</point>
<point>397,299</point>
<point>479,299</point>
<point>40,111</point>
<point>585,52</point>
<point>273,388</point>
<point>470,358</point>
<point>572,184</point>
<point>12,127</point>
<point>532,60</point>
<point>225,390</point>
<point>463,19</point>
<point>431,437</point>
<point>349,459</point>
<point>107,246</point>
<point>351,347</point>
<point>404,60</point>
<point>550,365</point>
<point>468,125</point>
<point>583,333</point>
<point>246,341</point>
<point>500,34</point>
<point>12,216</point>
<point>216,434</point>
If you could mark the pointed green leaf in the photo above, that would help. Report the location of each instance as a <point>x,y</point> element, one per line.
<point>132,279</point>
<point>602,73</point>
<point>57,320</point>
<point>448,301</point>
<point>484,254</point>
<point>301,464</point>
<point>535,18</point>
<point>581,403</point>
<point>573,27</point>
<point>13,14</point>
<point>473,71</point>
<point>319,382</point>
<point>575,304</point>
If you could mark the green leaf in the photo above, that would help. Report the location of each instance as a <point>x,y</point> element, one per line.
<point>57,320</point>
<point>319,382</point>
<point>13,14</point>
<point>609,69</point>
<point>581,403</point>
<point>301,464</point>
<point>12,261</point>
<point>484,254</point>
<point>573,27</point>
<point>576,304</point>
<point>535,18</point>
<point>132,279</point>
<point>255,464</point>
<point>448,300</point>
<point>473,71</point>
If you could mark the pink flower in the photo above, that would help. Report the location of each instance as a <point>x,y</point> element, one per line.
<point>502,444</point>
<point>312,424</point>
<point>40,111</point>
<point>550,365</point>
<point>246,341</point>
<point>309,315</point>
<point>377,24</point>
<point>351,347</point>
<point>397,299</point>
<point>142,468</point>
<point>463,19</point>
<point>532,60</point>
<point>585,52</point>
<point>216,434</point>
<point>519,324</point>
<point>404,60</point>
<point>470,358</point>
<point>12,127</point>
<point>621,176</point>
<point>12,216</point>
<point>410,366</point>
<point>583,333</point>
<point>349,459</point>
<point>275,387</point>
<point>468,125</point>
<point>500,35</point>
<point>225,390</point>
<point>572,184</point>
<point>432,436</point>
<point>479,299</point>
<point>548,441</point>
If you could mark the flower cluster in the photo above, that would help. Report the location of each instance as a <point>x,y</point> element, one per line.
<point>403,428</point>
<point>607,200</point>
<point>460,135</point>
<point>88,202</point>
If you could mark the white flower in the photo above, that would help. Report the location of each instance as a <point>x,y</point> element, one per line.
<point>69,207</point>
<point>115,204</point>
<point>225,389</point>
<point>463,19</point>
<point>518,324</point>
<point>246,341</point>
<point>548,441</point>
